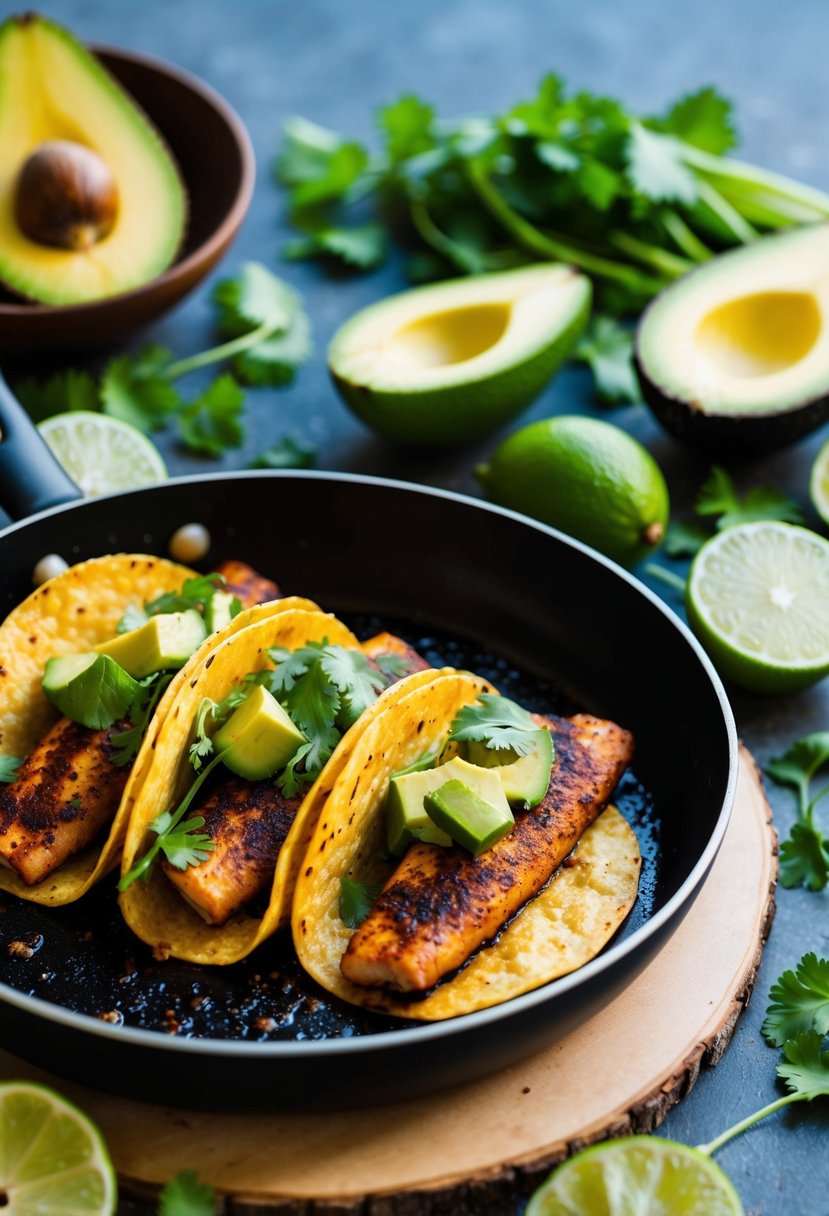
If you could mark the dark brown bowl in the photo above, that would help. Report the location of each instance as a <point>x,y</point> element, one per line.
<point>215,157</point>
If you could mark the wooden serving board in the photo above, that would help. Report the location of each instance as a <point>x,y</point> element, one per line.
<point>479,1147</point>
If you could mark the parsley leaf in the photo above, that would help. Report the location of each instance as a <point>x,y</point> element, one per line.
<point>356,900</point>
<point>211,423</point>
<point>497,722</point>
<point>134,389</point>
<point>66,390</point>
<point>288,453</point>
<point>800,1001</point>
<point>8,768</point>
<point>184,1195</point>
<point>607,347</point>
<point>806,1071</point>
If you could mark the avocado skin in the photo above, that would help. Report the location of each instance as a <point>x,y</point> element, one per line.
<point>429,418</point>
<point>732,435</point>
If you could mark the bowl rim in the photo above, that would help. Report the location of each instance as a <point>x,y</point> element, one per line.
<point>217,238</point>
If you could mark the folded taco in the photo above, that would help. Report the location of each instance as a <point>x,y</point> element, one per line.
<point>241,768</point>
<point>512,868</point>
<point>88,663</point>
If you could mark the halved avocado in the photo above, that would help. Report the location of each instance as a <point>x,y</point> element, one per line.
<point>734,357</point>
<point>52,89</point>
<point>452,361</point>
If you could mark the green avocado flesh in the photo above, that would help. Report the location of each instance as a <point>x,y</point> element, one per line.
<point>165,642</point>
<point>452,361</point>
<point>218,610</point>
<point>89,688</point>
<point>51,88</point>
<point>407,818</point>
<point>525,779</point>
<point>258,738</point>
<point>470,820</point>
<point>742,338</point>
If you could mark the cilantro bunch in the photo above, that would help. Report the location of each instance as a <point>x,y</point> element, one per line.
<point>633,201</point>
<point>267,337</point>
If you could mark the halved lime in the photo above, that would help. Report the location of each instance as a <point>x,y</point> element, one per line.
<point>819,483</point>
<point>758,600</point>
<point>53,1160</point>
<point>640,1176</point>
<point>102,454</point>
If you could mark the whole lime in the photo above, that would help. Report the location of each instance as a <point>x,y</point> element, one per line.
<point>585,477</point>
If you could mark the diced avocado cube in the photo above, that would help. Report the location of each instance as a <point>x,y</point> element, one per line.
<point>469,819</point>
<point>89,688</point>
<point>165,642</point>
<point>407,818</point>
<point>258,738</point>
<point>525,779</point>
<point>218,611</point>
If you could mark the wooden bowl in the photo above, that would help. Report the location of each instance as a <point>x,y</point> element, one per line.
<point>216,161</point>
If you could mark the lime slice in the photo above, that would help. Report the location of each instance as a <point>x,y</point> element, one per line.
<point>102,454</point>
<point>640,1176</point>
<point>758,600</point>
<point>53,1160</point>
<point>819,483</point>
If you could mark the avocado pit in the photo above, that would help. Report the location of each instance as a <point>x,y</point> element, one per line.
<point>65,196</point>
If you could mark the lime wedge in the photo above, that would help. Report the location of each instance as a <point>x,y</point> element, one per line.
<point>53,1160</point>
<point>640,1176</point>
<point>758,600</point>
<point>101,454</point>
<point>819,483</point>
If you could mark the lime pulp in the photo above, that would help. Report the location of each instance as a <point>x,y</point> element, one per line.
<point>102,455</point>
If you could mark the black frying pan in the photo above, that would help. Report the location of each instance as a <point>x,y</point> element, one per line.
<point>468,581</point>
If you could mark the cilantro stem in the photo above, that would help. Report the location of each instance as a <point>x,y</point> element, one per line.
<point>652,256</point>
<point>748,179</point>
<point>217,354</point>
<point>717,1143</point>
<point>145,862</point>
<point>727,214</point>
<point>552,248</point>
<point>685,238</point>
<point>434,236</point>
<point>667,576</point>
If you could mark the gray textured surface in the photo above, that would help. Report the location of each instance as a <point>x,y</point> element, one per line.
<point>334,62</point>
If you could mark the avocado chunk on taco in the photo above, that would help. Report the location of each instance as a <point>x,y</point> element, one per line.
<point>457,931</point>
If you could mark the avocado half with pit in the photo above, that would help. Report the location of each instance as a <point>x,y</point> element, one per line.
<point>734,357</point>
<point>91,202</point>
<point>452,361</point>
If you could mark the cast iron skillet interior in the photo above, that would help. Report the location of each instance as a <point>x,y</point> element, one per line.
<point>513,594</point>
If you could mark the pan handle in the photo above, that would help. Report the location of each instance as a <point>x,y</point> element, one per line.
<point>30,477</point>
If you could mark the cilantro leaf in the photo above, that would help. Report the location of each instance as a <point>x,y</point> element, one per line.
<point>393,666</point>
<point>134,389</point>
<point>66,390</point>
<point>313,704</point>
<point>183,845</point>
<point>718,496</point>
<point>195,593</point>
<point>800,1001</point>
<point>134,617</point>
<point>254,298</point>
<point>209,716</point>
<point>363,246</point>
<point>684,539</point>
<point>806,1071</point>
<point>656,168</point>
<point>495,721</point>
<point>804,857</point>
<point>287,453</point>
<point>184,1195</point>
<point>357,682</point>
<point>274,361</point>
<point>356,900</point>
<point>8,768</point>
<point>607,347</point>
<point>703,119</point>
<point>797,766</point>
<point>317,164</point>
<point>211,423</point>
<point>291,781</point>
<point>407,127</point>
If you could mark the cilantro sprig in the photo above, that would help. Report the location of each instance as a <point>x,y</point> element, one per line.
<point>497,722</point>
<point>634,201</point>
<point>356,901</point>
<point>804,856</point>
<point>184,1195</point>
<point>267,338</point>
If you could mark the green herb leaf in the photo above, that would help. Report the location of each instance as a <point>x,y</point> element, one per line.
<point>287,453</point>
<point>393,666</point>
<point>183,845</point>
<point>184,1195</point>
<point>357,682</point>
<point>318,165</point>
<point>804,857</point>
<point>800,1001</point>
<point>718,496</point>
<point>684,539</point>
<point>66,390</point>
<point>133,388</point>
<point>254,298</point>
<point>8,768</point>
<point>126,743</point>
<point>407,127</point>
<point>194,593</point>
<point>495,721</point>
<point>356,900</point>
<point>703,119</point>
<point>211,423</point>
<point>607,347</point>
<point>656,168</point>
<point>363,246</point>
<point>806,1071</point>
<point>799,764</point>
<point>275,361</point>
<point>209,717</point>
<point>293,777</point>
<point>134,617</point>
